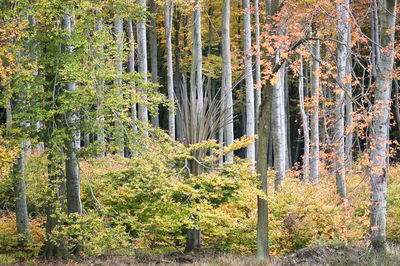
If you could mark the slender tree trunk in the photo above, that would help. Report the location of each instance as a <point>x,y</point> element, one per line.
<point>250,125</point>
<point>168,12</point>
<point>99,86</point>
<point>262,162</point>
<point>131,69</point>
<point>304,118</point>
<point>348,148</point>
<point>74,204</point>
<point>193,240</point>
<point>119,37</point>
<point>257,77</point>
<point>142,62</point>
<point>315,91</point>
<point>227,77</point>
<point>380,124</point>
<point>339,155</point>
<point>178,116</point>
<point>54,246</point>
<point>18,175</point>
<point>278,129</point>
<point>153,54</point>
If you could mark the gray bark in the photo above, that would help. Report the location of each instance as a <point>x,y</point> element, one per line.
<point>155,121</point>
<point>257,77</point>
<point>227,77</point>
<point>74,204</point>
<point>348,148</point>
<point>338,139</point>
<point>193,241</point>
<point>304,118</point>
<point>119,38</point>
<point>314,160</point>
<point>278,130</point>
<point>18,175</point>
<point>168,13</point>
<point>142,62</point>
<point>250,125</point>
<point>380,124</point>
<point>131,69</point>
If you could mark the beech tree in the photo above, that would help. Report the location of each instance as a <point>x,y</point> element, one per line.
<point>380,123</point>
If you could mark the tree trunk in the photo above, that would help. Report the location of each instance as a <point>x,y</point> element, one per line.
<point>18,176</point>
<point>142,62</point>
<point>257,77</point>
<point>74,204</point>
<point>193,241</point>
<point>227,77</point>
<point>250,151</point>
<point>278,129</point>
<point>131,69</point>
<point>380,124</point>
<point>168,12</point>
<point>348,148</point>
<point>338,139</point>
<point>314,160</point>
<point>54,246</point>
<point>119,37</point>
<point>304,118</point>
<point>155,121</point>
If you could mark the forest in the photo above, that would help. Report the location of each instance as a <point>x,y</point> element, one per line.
<point>224,132</point>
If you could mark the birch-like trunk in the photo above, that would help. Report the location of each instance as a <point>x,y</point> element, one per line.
<point>142,62</point>
<point>74,204</point>
<point>278,129</point>
<point>257,77</point>
<point>18,175</point>
<point>227,77</point>
<point>155,121</point>
<point>250,125</point>
<point>338,139</point>
<point>168,13</point>
<point>304,119</point>
<point>380,124</point>
<point>348,146</point>
<point>119,38</point>
<point>99,86</point>
<point>315,91</point>
<point>179,116</point>
<point>193,240</point>
<point>131,69</point>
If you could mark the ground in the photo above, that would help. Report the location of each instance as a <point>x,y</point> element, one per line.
<point>316,255</point>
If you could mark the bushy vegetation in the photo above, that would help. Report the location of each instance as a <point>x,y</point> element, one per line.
<point>147,203</point>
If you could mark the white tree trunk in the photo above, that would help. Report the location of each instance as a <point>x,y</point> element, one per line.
<point>142,62</point>
<point>168,13</point>
<point>348,148</point>
<point>119,37</point>
<point>314,160</point>
<point>257,76</point>
<point>380,124</point>
<point>304,118</point>
<point>18,175</point>
<point>278,129</point>
<point>74,204</point>
<point>338,139</point>
<point>227,77</point>
<point>250,151</point>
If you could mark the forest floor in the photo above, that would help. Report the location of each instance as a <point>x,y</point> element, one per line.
<point>316,255</point>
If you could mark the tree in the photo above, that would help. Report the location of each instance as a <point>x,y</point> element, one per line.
<point>227,77</point>
<point>142,61</point>
<point>153,53</point>
<point>248,69</point>
<point>380,124</point>
<point>168,14</point>
<point>315,91</point>
<point>342,61</point>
